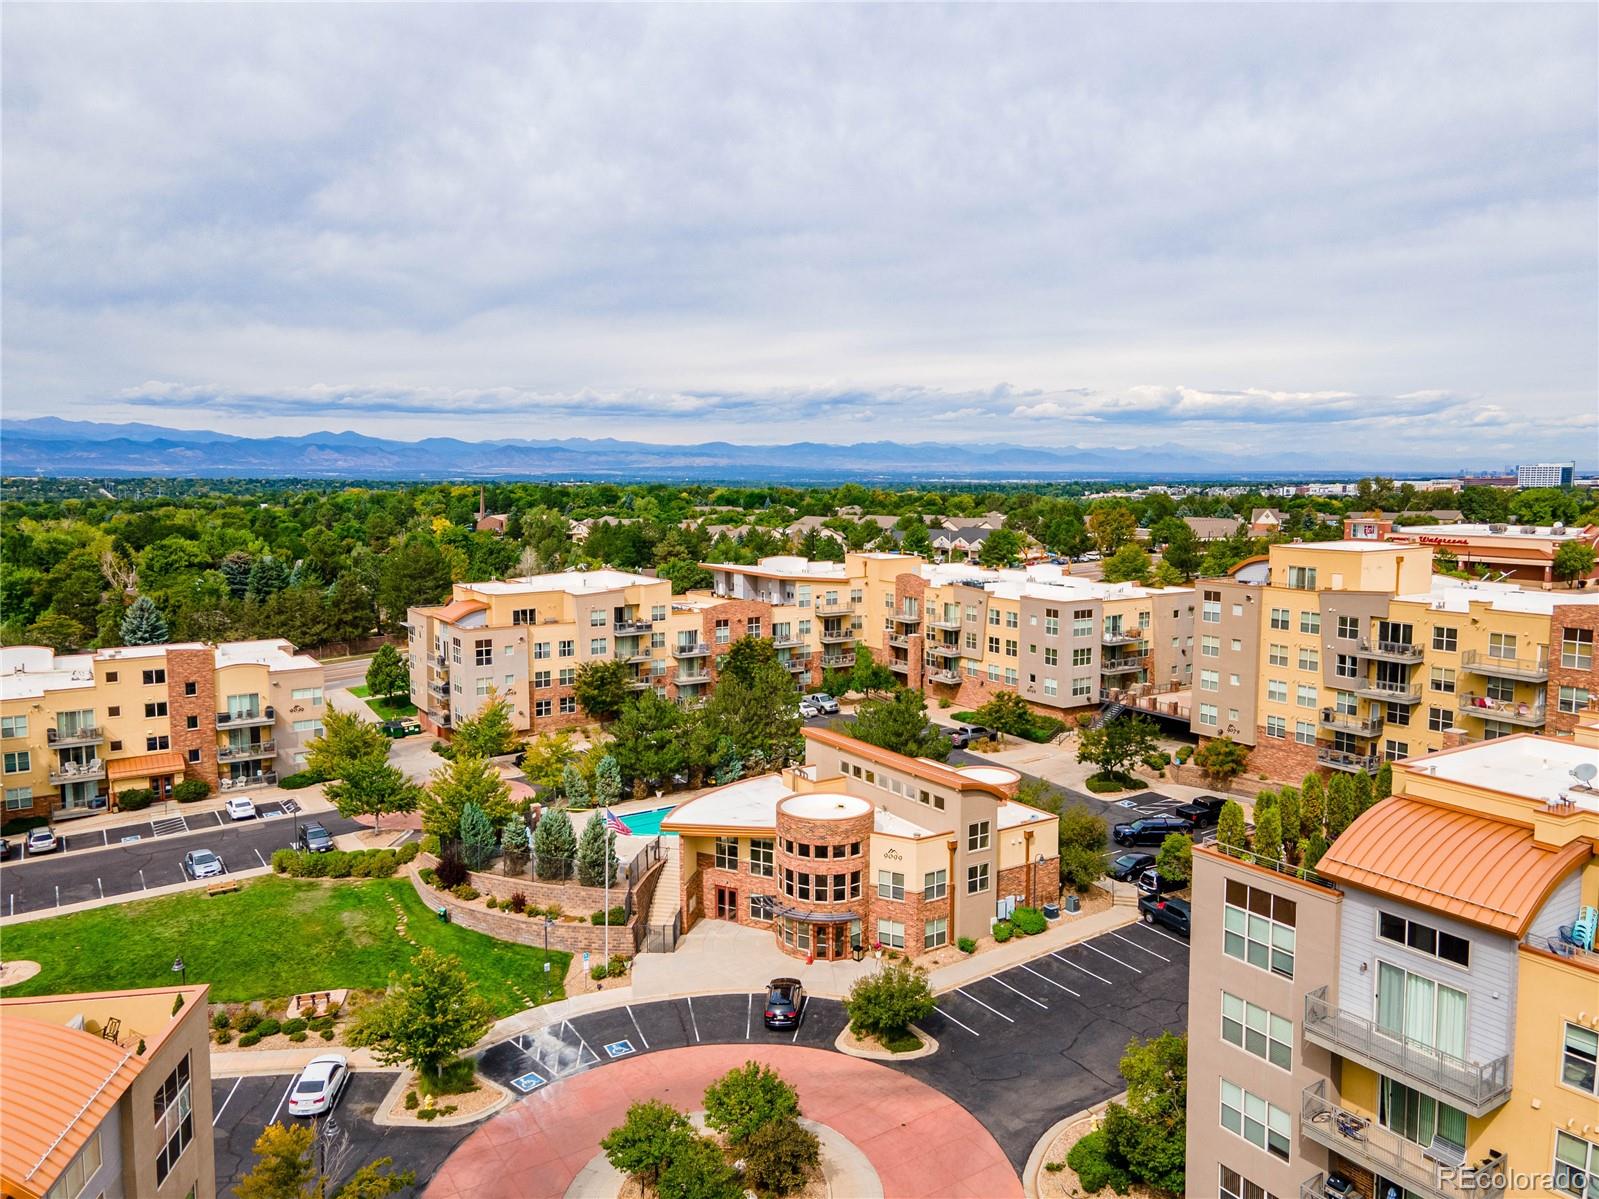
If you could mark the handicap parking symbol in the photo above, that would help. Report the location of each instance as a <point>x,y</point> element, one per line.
<point>528,1082</point>
<point>619,1048</point>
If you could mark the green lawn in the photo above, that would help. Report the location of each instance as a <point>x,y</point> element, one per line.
<point>387,707</point>
<point>274,938</point>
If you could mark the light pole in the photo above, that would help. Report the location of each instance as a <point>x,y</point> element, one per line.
<point>548,920</point>
<point>179,968</point>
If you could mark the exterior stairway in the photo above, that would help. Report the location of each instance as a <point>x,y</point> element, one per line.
<point>665,902</point>
<point>1107,714</point>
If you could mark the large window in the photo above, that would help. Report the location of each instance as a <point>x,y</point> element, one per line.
<point>890,885</point>
<point>761,857</point>
<point>935,884</point>
<point>977,836</point>
<point>13,726</point>
<point>727,853</point>
<point>935,933</point>
<point>1302,578</point>
<point>76,1177</point>
<point>1258,1031</point>
<point>174,1119</point>
<point>977,879</point>
<point>1233,1185</point>
<point>891,933</point>
<point>18,761</point>
<point>1420,1010</point>
<point>1576,649</point>
<point>483,652</point>
<point>1420,1118</point>
<point>1258,1122</point>
<point>1576,1166</point>
<point>1424,938</point>
<point>1577,1066</point>
<point>1445,640</point>
<point>1258,928</point>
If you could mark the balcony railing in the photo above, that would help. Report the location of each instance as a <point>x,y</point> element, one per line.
<point>630,628</point>
<point>833,636</point>
<point>637,684</point>
<point>1338,759</point>
<point>899,639</point>
<point>949,626</point>
<point>634,659</point>
<point>907,618</point>
<point>1363,1141</point>
<point>1528,670</point>
<point>797,665</point>
<point>1122,637</point>
<point>700,650</point>
<point>83,736</point>
<point>1477,1088</point>
<point>239,753</point>
<point>943,650</point>
<point>1509,711</point>
<point>263,778</point>
<point>244,719</point>
<point>834,609</point>
<point>1347,722</point>
<point>1393,693</point>
<point>787,641</point>
<point>944,676</point>
<point>440,688</point>
<point>837,661</point>
<point>899,666</point>
<point>75,772</point>
<point>692,680</point>
<point>1390,651</point>
<point>1314,1187</point>
<point>1121,665</point>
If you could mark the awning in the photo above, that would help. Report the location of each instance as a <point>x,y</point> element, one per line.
<point>146,765</point>
<point>817,917</point>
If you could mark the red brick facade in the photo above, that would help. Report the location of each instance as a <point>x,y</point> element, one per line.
<point>1281,757</point>
<point>1574,617</point>
<point>194,669</point>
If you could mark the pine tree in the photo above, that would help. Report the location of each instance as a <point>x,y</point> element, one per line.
<point>514,845</point>
<point>386,674</point>
<point>554,845</point>
<point>1365,793</point>
<point>607,782</point>
<point>236,570</point>
<point>143,624</point>
<point>1291,809</point>
<point>477,837</point>
<point>267,577</point>
<point>596,852</point>
<point>573,787</point>
<point>1340,806</point>
<point>488,734</point>
<point>1268,836</point>
<point>1232,830</point>
<point>1312,806</point>
<point>1384,784</point>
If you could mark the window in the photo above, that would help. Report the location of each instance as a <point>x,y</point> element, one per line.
<point>311,727</point>
<point>1234,1185</point>
<point>1010,648</point>
<point>1051,656</point>
<point>935,884</point>
<point>1397,714</point>
<point>567,705</point>
<point>1277,690</point>
<point>752,627</point>
<point>1346,666</point>
<point>1011,620</point>
<point>1256,1030</point>
<point>1258,1122</point>
<point>1501,645</point>
<point>1424,938</point>
<point>597,647</point>
<point>1210,647</point>
<point>1279,618</point>
<point>1083,622</point>
<point>727,853</point>
<point>1445,640</point>
<point>1210,608</point>
<point>1440,720</point>
<point>1302,578</point>
<point>1308,659</point>
<point>993,615</point>
<point>1209,680</point>
<point>1207,714</point>
<point>13,726</point>
<point>1349,628</point>
<point>1394,751</point>
<point>1576,649</point>
<point>891,933</point>
<point>524,616</point>
<point>18,798</point>
<point>1305,695</point>
<point>1276,726</point>
<point>935,933</point>
<point>151,678</point>
<point>191,722</point>
<point>977,879</point>
<point>1305,732</point>
<point>541,678</point>
<point>483,652</point>
<point>542,707</point>
<point>310,695</point>
<point>1258,928</point>
<point>191,689</point>
<point>1051,687</point>
<point>194,755</point>
<point>890,885</point>
<point>1082,687</point>
<point>1277,655</point>
<point>1578,1063</point>
<point>596,618</point>
<point>1083,656</point>
<point>761,908</point>
<point>1576,1165</point>
<point>1419,1118</point>
<point>977,836</point>
<point>566,677</point>
<point>159,708</point>
<point>1310,622</point>
<point>761,857</point>
<point>484,686</point>
<point>1051,622</point>
<point>567,648</point>
<point>1443,679</point>
<point>1573,699</point>
<point>1421,1010</point>
<point>75,1178</point>
<point>174,1119</point>
<point>19,761</point>
<point>541,649</point>
<point>110,676</point>
<point>969,640</point>
<point>151,744</point>
<point>993,645</point>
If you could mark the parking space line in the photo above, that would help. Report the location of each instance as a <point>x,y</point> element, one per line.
<point>980,1003</point>
<point>1050,981</point>
<point>749,1014</point>
<point>690,1001</point>
<point>1112,958</point>
<point>1145,948</point>
<point>259,858</point>
<point>952,1020</point>
<point>634,1018</point>
<point>282,1098</point>
<point>1023,994</point>
<point>225,1102</point>
<point>1084,969</point>
<point>799,1018</point>
<point>568,1025</point>
<point>1166,935</point>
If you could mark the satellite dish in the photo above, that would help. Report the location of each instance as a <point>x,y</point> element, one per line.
<point>1585,771</point>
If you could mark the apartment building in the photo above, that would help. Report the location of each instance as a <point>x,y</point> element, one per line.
<point>107,1095</point>
<point>861,847</point>
<point>1545,474</point>
<point>77,729</point>
<point>1416,1016</point>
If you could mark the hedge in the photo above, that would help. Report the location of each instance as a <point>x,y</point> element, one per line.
<point>305,778</point>
<point>191,790</point>
<point>344,863</point>
<point>136,799</point>
<point>618,915</point>
<point>1028,921</point>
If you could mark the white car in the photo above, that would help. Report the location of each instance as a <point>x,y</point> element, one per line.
<point>319,1086</point>
<point>201,863</point>
<point>42,840</point>
<point>240,808</point>
<point>808,710</point>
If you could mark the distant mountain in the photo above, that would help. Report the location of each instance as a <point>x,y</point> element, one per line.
<point>55,447</point>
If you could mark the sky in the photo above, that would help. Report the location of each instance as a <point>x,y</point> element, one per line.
<point>1250,228</point>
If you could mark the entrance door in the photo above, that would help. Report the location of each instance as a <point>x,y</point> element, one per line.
<point>726,903</point>
<point>161,785</point>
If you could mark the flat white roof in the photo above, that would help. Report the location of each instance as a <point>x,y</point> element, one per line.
<point>1449,594</point>
<point>824,805</point>
<point>1537,768</point>
<point>1352,547</point>
<point>1508,533</point>
<point>748,803</point>
<point>1011,814</point>
<point>574,582</point>
<point>275,654</point>
<point>787,566</point>
<point>30,671</point>
<point>889,824</point>
<point>999,775</point>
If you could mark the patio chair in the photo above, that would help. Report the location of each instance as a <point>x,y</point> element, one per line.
<point>1586,926</point>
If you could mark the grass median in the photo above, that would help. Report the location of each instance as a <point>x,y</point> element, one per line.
<point>273,938</point>
<point>387,707</point>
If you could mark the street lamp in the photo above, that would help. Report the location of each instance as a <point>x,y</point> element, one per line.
<point>179,968</point>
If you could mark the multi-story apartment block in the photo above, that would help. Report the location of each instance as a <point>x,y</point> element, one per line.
<point>107,1095</point>
<point>1417,1016</point>
<point>862,847</point>
<point>77,729</point>
<point>1361,654</point>
<point>1545,474</point>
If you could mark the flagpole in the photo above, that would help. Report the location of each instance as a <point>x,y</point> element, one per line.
<point>607,846</point>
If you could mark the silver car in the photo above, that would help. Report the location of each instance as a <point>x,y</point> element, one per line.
<point>202,863</point>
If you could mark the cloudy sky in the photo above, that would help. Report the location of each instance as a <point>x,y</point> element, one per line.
<point>1254,228</point>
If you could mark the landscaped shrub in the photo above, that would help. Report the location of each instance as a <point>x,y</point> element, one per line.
<point>779,1156</point>
<point>617,915</point>
<point>1158,761</point>
<point>747,1097</point>
<point>303,778</point>
<point>1090,1158</point>
<point>249,1019</point>
<point>452,868</point>
<point>326,1034</point>
<point>268,1028</point>
<point>191,790</point>
<point>1028,921</point>
<point>1003,931</point>
<point>248,1039</point>
<point>1101,784</point>
<point>223,1036</point>
<point>966,945</point>
<point>464,891</point>
<point>517,903</point>
<point>430,844</point>
<point>320,1023</point>
<point>297,1036</point>
<point>411,1101</point>
<point>407,852</point>
<point>135,800</point>
<point>295,1025</point>
<point>888,1001</point>
<point>429,876</point>
<point>1184,753</point>
<point>221,1019</point>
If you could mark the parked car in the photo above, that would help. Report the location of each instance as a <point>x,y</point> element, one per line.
<point>1129,866</point>
<point>1150,882</point>
<point>784,999</point>
<point>240,808</point>
<point>962,735</point>
<point>319,1086</point>
<point>823,703</point>
<point>201,863</point>
<point>42,840</point>
<point>1203,812</point>
<point>1172,913</point>
<point>5,849</point>
<point>1152,830</point>
<point>314,839</point>
<point>808,710</point>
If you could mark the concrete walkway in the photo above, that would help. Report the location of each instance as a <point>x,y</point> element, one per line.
<point>717,956</point>
<point>1067,931</point>
<point>241,1063</point>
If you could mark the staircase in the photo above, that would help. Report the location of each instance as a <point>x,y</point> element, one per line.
<point>1107,714</point>
<point>667,898</point>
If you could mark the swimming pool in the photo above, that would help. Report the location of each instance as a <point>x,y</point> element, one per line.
<point>647,824</point>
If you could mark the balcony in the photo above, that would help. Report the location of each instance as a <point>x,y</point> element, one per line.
<point>631,628</point>
<point>899,666</point>
<point>1390,651</point>
<point>1314,1187</point>
<point>1338,759</point>
<point>640,683</point>
<point>907,618</point>
<point>1527,670</point>
<point>949,626</point>
<point>951,677</point>
<point>1363,1141</point>
<point>787,641</point>
<point>240,720</point>
<point>838,661</point>
<point>1507,711</point>
<point>62,738</point>
<point>1119,637</point>
<point>692,680</point>
<point>797,665</point>
<point>835,610</point>
<point>1475,1088</point>
<point>700,650</point>
<point>1347,722</point>
<point>1121,665</point>
<point>241,753</point>
<point>635,659</point>
<point>943,650</point>
<point>1391,693</point>
<point>440,662</point>
<point>262,778</point>
<point>439,687</point>
<point>900,639</point>
<point>76,772</point>
<point>833,636</point>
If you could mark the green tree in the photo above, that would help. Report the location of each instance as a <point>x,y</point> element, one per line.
<point>235,569</point>
<point>574,787</point>
<point>899,723</point>
<point>1175,861</point>
<point>386,674</point>
<point>1383,785</point>
<point>345,739</point>
<point>283,1166</point>
<point>886,1002</point>
<point>369,786</point>
<point>546,757</point>
<point>699,1171</point>
<point>1167,575</point>
<point>596,853</point>
<point>268,576</point>
<point>412,574</point>
<point>1290,806</point>
<point>779,1157</point>
<point>1082,846</point>
<point>649,741</point>
<point>1573,560</point>
<point>1340,806</point>
<point>1365,792</point>
<point>745,1098</point>
<point>607,782</point>
<point>60,633</point>
<point>649,1137</point>
<point>377,1180</point>
<point>1007,712</point>
<point>1184,552</point>
<point>1312,806</point>
<point>350,611</point>
<point>1117,745</point>
<point>478,841</point>
<point>869,676</point>
<point>746,658</point>
<point>1268,835</point>
<point>430,1015</point>
<point>514,845</point>
<point>1148,1133</point>
<point>759,716</point>
<point>684,576</point>
<point>143,624</point>
<point>1222,759</point>
<point>601,688</point>
<point>915,538</point>
<point>1232,830</point>
<point>554,845</point>
<point>1111,525</point>
<point>460,781</point>
<point>1130,564</point>
<point>1002,547</point>
<point>486,734</point>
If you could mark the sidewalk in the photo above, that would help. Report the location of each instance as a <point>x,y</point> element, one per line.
<point>121,897</point>
<point>239,1063</point>
<point>310,799</point>
<point>1069,931</point>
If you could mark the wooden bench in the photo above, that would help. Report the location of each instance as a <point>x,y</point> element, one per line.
<point>223,887</point>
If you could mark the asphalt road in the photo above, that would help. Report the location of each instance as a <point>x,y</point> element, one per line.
<point>85,869</point>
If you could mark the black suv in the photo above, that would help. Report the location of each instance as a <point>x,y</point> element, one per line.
<point>1127,867</point>
<point>314,839</point>
<point>784,999</point>
<point>1173,913</point>
<point>1150,831</point>
<point>1202,812</point>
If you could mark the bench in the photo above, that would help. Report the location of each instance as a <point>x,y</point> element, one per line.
<point>223,887</point>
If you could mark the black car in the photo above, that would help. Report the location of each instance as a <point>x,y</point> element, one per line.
<point>1129,866</point>
<point>1172,913</point>
<point>1203,812</point>
<point>1152,830</point>
<point>315,839</point>
<point>784,999</point>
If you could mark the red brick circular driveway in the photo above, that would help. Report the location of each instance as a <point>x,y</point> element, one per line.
<point>921,1142</point>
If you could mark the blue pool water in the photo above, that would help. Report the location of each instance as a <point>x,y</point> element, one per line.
<point>647,824</point>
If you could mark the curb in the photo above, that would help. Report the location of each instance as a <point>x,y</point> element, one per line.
<point>403,1081</point>
<point>929,1047</point>
<point>126,897</point>
<point>1035,1159</point>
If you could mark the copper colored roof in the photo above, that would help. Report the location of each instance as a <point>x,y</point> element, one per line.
<point>455,609</point>
<point>57,1085</point>
<point>143,765</point>
<point>933,772</point>
<point>1483,871</point>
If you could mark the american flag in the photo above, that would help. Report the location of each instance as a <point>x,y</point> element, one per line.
<point>614,823</point>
